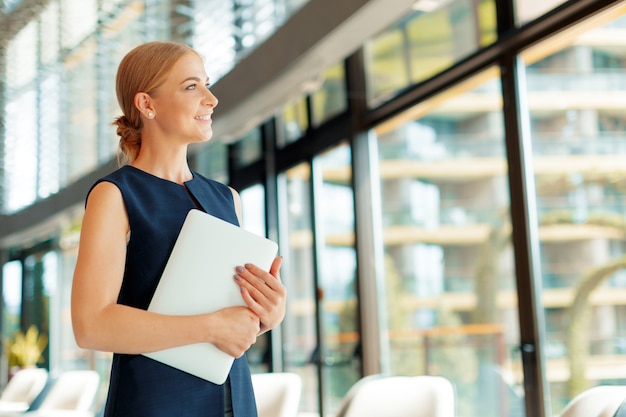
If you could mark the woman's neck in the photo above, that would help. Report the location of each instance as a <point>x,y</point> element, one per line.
<point>170,167</point>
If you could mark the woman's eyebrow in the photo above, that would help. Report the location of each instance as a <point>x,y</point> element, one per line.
<point>197,79</point>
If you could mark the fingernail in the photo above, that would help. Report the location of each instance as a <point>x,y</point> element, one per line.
<point>237,278</point>
<point>239,269</point>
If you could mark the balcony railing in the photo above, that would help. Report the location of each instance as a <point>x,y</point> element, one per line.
<point>566,79</point>
<point>465,146</point>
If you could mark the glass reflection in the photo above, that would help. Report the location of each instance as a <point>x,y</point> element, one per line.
<point>578,130</point>
<point>81,117</point>
<point>449,277</point>
<point>248,148</point>
<point>294,121</point>
<point>11,299</point>
<point>330,99</point>
<point>527,10</point>
<point>253,220</point>
<point>300,324</point>
<point>340,355</point>
<point>436,35</point>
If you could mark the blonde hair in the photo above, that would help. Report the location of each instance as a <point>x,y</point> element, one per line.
<point>143,69</point>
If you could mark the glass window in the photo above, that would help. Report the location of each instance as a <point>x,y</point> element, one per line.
<point>81,118</point>
<point>330,98</point>
<point>253,219</point>
<point>340,348</point>
<point>9,5</point>
<point>248,148</point>
<point>11,298</point>
<point>79,19</point>
<point>211,160</point>
<point>300,347</point>
<point>20,140</point>
<point>294,121</point>
<point>22,58</point>
<point>124,29</point>
<point>527,10</point>
<point>50,34</point>
<point>436,35</point>
<point>216,41</point>
<point>20,147</point>
<point>40,278</point>
<point>574,88</point>
<point>50,158</point>
<point>230,30</point>
<point>449,281</point>
<point>253,209</point>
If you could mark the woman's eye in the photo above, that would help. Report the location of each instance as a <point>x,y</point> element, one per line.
<point>207,85</point>
<point>191,87</point>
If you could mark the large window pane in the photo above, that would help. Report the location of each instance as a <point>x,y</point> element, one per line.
<point>50,34</point>
<point>294,121</point>
<point>340,347</point>
<point>19,164</point>
<point>253,220</point>
<point>434,37</point>
<point>300,347</point>
<point>22,58</point>
<point>248,148</point>
<point>50,158</point>
<point>226,31</point>
<point>20,160</point>
<point>11,298</point>
<point>81,134</point>
<point>39,285</point>
<point>79,19</point>
<point>212,160</point>
<point>330,98</point>
<point>527,10</point>
<point>449,286</point>
<point>9,5</point>
<point>576,84</point>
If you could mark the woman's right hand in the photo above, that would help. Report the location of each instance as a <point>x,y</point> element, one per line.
<point>234,330</point>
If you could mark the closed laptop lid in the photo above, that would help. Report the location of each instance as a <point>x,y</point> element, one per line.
<point>198,278</point>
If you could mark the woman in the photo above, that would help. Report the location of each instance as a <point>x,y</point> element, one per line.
<point>131,221</point>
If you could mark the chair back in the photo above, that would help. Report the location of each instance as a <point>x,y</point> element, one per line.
<point>599,401</point>
<point>23,388</point>
<point>73,390</point>
<point>277,394</point>
<point>400,396</point>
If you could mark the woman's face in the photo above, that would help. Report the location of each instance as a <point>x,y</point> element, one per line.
<point>183,104</point>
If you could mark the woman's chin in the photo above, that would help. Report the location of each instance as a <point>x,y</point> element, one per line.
<point>207,136</point>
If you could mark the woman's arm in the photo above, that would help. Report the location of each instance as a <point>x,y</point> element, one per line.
<point>100,323</point>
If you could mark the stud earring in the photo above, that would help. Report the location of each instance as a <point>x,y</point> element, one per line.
<point>150,115</point>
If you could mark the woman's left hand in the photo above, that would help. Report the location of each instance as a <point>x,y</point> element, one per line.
<point>263,292</point>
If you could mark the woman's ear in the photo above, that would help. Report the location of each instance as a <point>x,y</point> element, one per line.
<point>143,102</point>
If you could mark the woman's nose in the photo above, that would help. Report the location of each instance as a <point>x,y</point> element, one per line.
<point>210,98</point>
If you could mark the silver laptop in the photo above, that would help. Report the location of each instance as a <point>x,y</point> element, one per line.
<point>198,278</point>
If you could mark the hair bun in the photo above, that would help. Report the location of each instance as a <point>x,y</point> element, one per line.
<point>130,137</point>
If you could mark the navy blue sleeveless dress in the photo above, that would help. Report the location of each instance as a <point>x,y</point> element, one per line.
<point>139,386</point>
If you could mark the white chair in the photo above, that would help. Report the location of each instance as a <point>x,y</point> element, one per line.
<point>399,396</point>
<point>277,393</point>
<point>72,394</point>
<point>600,401</point>
<point>22,389</point>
